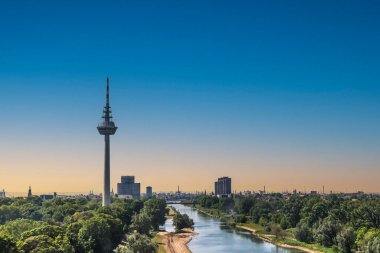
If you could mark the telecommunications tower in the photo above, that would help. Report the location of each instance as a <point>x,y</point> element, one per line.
<point>107,127</point>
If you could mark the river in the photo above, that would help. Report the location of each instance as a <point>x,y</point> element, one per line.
<point>216,236</point>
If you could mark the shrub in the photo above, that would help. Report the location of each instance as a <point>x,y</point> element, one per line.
<point>241,218</point>
<point>303,233</point>
<point>137,243</point>
<point>181,221</point>
<point>346,240</point>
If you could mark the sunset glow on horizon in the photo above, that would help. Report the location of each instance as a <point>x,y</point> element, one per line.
<point>196,94</point>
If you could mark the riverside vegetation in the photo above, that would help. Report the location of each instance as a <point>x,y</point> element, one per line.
<point>171,242</point>
<point>30,225</point>
<point>331,223</point>
<point>181,221</point>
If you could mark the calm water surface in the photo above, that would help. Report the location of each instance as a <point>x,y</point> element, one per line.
<point>216,236</point>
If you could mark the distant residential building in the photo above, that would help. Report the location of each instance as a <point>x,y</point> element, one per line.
<point>91,195</point>
<point>223,186</point>
<point>127,186</point>
<point>125,196</point>
<point>47,196</point>
<point>2,194</point>
<point>149,192</point>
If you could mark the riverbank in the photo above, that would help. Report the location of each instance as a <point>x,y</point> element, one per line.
<point>271,239</point>
<point>289,243</point>
<point>176,242</point>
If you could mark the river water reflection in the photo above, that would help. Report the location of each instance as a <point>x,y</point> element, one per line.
<point>216,236</point>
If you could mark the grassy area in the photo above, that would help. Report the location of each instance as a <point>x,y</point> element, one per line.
<point>212,212</point>
<point>259,229</point>
<point>158,239</point>
<point>289,240</point>
<point>312,246</point>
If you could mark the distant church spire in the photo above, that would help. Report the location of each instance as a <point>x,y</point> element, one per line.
<point>30,192</point>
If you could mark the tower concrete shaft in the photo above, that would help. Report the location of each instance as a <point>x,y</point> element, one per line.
<point>107,127</point>
<point>107,172</point>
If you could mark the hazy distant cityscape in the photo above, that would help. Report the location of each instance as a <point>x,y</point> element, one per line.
<point>235,126</point>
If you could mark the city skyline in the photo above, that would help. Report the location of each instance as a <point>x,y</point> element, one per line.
<point>284,95</point>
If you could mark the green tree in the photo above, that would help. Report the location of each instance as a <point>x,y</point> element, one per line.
<point>277,231</point>
<point>326,232</point>
<point>137,243</point>
<point>16,227</point>
<point>346,240</point>
<point>7,244</point>
<point>244,204</point>
<point>48,230</point>
<point>137,205</point>
<point>292,210</point>
<point>156,209</point>
<point>284,222</point>
<point>181,221</point>
<point>373,245</point>
<point>101,233</point>
<point>240,218</point>
<point>123,249</point>
<point>78,216</point>
<point>80,245</point>
<point>95,234</point>
<point>64,210</point>
<point>141,223</point>
<point>6,201</point>
<point>208,201</point>
<point>122,211</point>
<point>40,244</point>
<point>226,204</point>
<point>8,213</point>
<point>261,209</point>
<point>303,233</point>
<point>369,242</point>
<point>30,211</point>
<point>367,214</point>
<point>93,204</point>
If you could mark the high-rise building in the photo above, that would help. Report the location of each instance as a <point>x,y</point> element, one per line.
<point>107,127</point>
<point>149,192</point>
<point>223,186</point>
<point>127,186</point>
<point>127,179</point>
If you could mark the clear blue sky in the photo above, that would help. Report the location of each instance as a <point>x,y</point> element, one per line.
<point>258,88</point>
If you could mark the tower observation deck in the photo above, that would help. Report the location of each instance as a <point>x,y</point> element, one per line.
<point>107,127</point>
